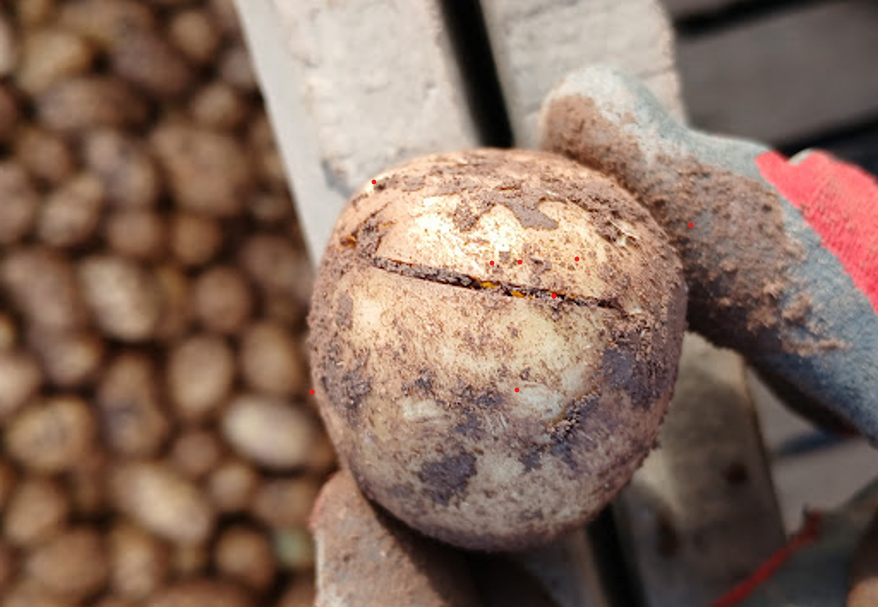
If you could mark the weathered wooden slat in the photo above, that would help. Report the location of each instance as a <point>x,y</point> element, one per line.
<point>803,71</point>
<point>352,88</point>
<point>701,514</point>
<point>537,42</point>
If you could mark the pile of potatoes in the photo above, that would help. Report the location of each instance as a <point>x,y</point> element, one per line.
<point>159,445</point>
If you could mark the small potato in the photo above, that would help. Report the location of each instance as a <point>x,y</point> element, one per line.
<point>51,436</point>
<point>243,553</point>
<point>285,503</point>
<point>138,562</point>
<point>124,297</point>
<point>50,56</point>
<point>200,374</point>
<point>163,501</point>
<point>127,170</point>
<point>20,203</point>
<point>494,342</point>
<point>46,155</point>
<point>223,300</point>
<point>232,486</point>
<point>136,233</point>
<point>270,208</point>
<point>207,171</point>
<point>128,399</point>
<point>20,378</point>
<point>106,22</point>
<point>37,510</point>
<point>271,432</point>
<point>218,106</point>
<point>72,565</point>
<point>71,213</point>
<point>195,239</point>
<point>150,63</point>
<point>197,452</point>
<point>78,105</point>
<point>43,287</point>
<point>194,32</point>
<point>271,361</point>
<point>273,264</point>
<point>70,359</point>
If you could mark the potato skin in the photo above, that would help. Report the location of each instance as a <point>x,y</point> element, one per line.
<point>418,343</point>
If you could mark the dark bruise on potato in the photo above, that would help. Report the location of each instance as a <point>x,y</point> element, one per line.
<point>418,343</point>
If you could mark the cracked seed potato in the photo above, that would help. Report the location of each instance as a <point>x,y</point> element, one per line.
<point>481,383</point>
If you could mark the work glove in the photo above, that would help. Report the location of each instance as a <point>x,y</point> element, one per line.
<point>780,256</point>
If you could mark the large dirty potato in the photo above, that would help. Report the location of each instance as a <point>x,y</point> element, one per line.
<point>494,343</point>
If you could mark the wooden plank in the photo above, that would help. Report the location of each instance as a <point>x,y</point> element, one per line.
<point>806,70</point>
<point>701,513</point>
<point>537,42</point>
<point>352,88</point>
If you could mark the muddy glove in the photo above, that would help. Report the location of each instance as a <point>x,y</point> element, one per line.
<point>781,256</point>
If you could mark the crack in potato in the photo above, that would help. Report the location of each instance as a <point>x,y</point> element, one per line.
<point>457,279</point>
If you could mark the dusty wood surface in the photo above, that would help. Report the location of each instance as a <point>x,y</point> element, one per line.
<point>701,514</point>
<point>805,70</point>
<point>536,42</point>
<point>353,88</point>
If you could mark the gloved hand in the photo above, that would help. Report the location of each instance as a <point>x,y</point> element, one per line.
<point>781,257</point>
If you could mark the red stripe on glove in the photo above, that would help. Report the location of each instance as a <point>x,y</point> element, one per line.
<point>840,202</point>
